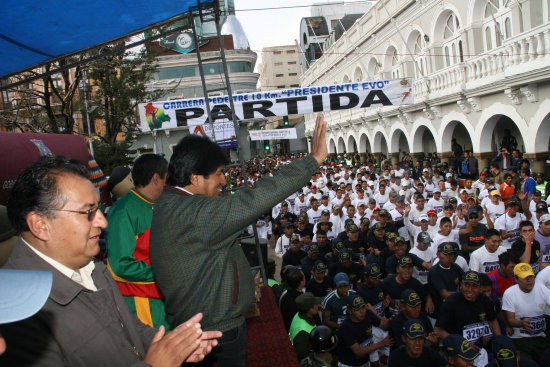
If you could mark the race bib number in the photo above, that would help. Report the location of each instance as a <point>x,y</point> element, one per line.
<point>285,248</point>
<point>538,325</point>
<point>341,320</point>
<point>535,267</point>
<point>423,272</point>
<point>515,232</point>
<point>545,258</point>
<point>490,266</point>
<point>474,332</point>
<point>379,309</point>
<point>367,342</point>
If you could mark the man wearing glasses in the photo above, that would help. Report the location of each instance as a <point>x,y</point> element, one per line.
<point>54,208</point>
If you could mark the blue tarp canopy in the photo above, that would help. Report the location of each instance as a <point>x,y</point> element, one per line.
<point>33,32</point>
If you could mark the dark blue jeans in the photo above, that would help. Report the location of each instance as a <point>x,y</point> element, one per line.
<point>231,350</point>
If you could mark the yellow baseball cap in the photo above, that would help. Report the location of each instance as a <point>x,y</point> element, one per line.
<point>523,270</point>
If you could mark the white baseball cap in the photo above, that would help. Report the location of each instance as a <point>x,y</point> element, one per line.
<point>22,293</point>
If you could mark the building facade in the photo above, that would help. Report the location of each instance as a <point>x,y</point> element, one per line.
<point>280,69</point>
<point>480,67</point>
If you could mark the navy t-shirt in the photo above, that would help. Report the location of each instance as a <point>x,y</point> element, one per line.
<point>356,332</point>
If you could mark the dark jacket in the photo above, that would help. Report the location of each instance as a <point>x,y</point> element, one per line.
<point>197,262</point>
<point>76,327</point>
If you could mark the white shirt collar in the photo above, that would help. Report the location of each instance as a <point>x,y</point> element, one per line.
<point>182,189</point>
<point>82,277</point>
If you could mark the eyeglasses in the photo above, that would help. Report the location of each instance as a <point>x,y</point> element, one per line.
<point>90,212</point>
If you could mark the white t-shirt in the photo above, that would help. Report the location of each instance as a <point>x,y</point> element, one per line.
<point>436,205</point>
<point>300,206</point>
<point>482,261</point>
<point>403,231</point>
<point>495,211</point>
<point>282,245</point>
<point>428,256</point>
<point>524,305</point>
<point>509,225</point>
<point>415,214</point>
<point>336,223</point>
<point>381,199</point>
<point>439,239</point>
<point>314,215</point>
<point>543,277</point>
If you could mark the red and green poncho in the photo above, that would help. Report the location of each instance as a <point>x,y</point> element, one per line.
<point>128,257</point>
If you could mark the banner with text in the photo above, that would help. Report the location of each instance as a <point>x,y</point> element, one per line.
<point>192,112</point>
<point>278,134</point>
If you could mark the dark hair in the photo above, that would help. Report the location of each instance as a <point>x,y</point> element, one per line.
<point>507,175</point>
<point>36,189</point>
<point>445,220</point>
<point>321,232</point>
<point>294,278</point>
<point>525,223</point>
<point>506,258</point>
<point>146,166</point>
<point>492,232</point>
<point>484,280</point>
<point>527,171</point>
<point>196,155</point>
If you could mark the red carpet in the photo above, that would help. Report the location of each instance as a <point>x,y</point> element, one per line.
<point>268,341</point>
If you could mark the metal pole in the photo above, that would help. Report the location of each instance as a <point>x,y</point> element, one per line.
<point>85,84</point>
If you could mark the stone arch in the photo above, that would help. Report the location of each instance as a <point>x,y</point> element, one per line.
<point>373,68</point>
<point>388,57</point>
<point>331,146</point>
<point>398,139</point>
<point>352,144</point>
<point>380,142</point>
<point>341,146</point>
<point>455,125</point>
<point>358,74</point>
<point>346,79</point>
<point>424,137</point>
<point>537,137</point>
<point>364,144</point>
<point>504,116</point>
<point>439,20</point>
<point>476,10</point>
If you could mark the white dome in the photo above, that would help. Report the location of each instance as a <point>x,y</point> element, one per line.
<point>233,27</point>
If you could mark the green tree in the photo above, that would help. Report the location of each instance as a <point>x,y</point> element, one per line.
<point>118,81</point>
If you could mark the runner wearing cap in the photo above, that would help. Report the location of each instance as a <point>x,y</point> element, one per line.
<point>493,206</point>
<point>423,251</point>
<point>356,244</point>
<point>477,322</point>
<point>283,243</point>
<point>295,254</point>
<point>372,291</point>
<point>395,284</point>
<point>357,346</point>
<point>444,278</point>
<point>320,283</point>
<point>525,305</point>
<point>410,307</point>
<point>346,265</point>
<point>401,249</point>
<point>335,303</point>
<point>459,351</point>
<point>415,353</point>
<point>307,262</point>
<point>436,202</point>
<point>542,235</point>
<point>485,259</point>
<point>505,354</point>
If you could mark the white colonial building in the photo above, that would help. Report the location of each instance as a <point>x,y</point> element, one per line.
<point>480,66</point>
